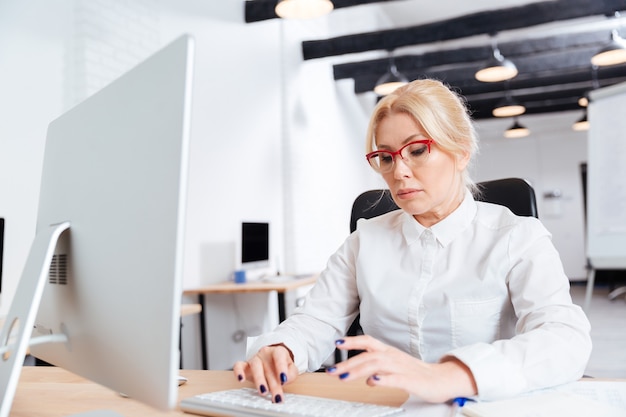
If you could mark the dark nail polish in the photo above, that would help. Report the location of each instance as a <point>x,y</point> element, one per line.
<point>278,399</point>
<point>331,369</point>
<point>344,375</point>
<point>283,378</point>
<point>340,342</point>
<point>240,377</point>
<point>262,389</point>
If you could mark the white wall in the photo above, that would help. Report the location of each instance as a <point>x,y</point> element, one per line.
<point>550,160</point>
<point>236,115</point>
<point>292,139</point>
<point>31,81</point>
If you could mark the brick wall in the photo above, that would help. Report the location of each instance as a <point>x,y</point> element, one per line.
<point>109,38</point>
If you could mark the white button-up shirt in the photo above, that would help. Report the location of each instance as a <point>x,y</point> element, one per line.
<point>482,285</point>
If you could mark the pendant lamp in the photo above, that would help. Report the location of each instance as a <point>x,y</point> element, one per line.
<point>516,130</point>
<point>613,53</point>
<point>582,123</point>
<point>584,100</point>
<point>497,68</point>
<point>390,80</point>
<point>508,107</point>
<point>303,9</point>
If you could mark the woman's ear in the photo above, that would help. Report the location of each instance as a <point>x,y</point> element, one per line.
<point>462,160</point>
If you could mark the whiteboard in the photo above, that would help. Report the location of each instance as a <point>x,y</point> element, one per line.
<point>606,178</point>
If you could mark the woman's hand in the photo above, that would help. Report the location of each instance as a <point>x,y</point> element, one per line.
<point>269,370</point>
<point>387,366</point>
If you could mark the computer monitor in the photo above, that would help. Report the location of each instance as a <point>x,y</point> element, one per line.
<point>112,202</point>
<point>255,249</point>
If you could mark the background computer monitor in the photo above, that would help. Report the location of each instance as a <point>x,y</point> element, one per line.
<point>255,249</point>
<point>115,168</point>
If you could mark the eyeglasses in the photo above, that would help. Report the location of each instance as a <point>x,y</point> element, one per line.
<point>414,154</point>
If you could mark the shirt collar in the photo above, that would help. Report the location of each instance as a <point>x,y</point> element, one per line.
<point>446,230</point>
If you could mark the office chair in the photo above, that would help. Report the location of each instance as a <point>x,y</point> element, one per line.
<point>515,193</point>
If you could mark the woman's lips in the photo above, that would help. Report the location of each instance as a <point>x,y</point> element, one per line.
<point>407,193</point>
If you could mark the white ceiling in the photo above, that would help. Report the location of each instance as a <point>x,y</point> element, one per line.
<point>418,12</point>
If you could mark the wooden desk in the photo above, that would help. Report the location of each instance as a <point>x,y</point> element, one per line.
<point>189,309</point>
<point>229,287</point>
<point>54,392</point>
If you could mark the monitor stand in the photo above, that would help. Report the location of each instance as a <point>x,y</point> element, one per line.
<point>18,327</point>
<point>17,330</point>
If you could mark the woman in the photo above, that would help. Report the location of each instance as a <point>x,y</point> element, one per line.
<point>458,298</point>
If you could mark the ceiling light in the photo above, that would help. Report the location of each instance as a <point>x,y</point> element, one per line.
<point>516,131</point>
<point>584,100</point>
<point>508,107</point>
<point>390,80</point>
<point>582,123</point>
<point>303,9</point>
<point>613,53</point>
<point>497,68</point>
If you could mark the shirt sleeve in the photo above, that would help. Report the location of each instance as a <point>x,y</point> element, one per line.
<point>552,340</point>
<point>328,310</point>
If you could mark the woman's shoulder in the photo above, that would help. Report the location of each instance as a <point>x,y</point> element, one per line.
<point>385,221</point>
<point>496,216</point>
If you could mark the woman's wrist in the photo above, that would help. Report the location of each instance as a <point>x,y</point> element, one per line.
<point>462,382</point>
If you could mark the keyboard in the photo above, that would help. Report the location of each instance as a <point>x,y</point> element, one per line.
<point>246,402</point>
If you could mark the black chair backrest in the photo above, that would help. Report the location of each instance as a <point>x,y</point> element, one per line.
<point>371,203</point>
<point>515,193</point>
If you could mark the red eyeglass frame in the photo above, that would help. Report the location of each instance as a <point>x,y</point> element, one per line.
<point>393,154</point>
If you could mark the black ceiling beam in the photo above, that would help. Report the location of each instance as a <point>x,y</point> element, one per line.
<point>462,75</point>
<point>423,63</point>
<point>542,79</point>
<point>480,23</point>
<point>483,109</point>
<point>529,68</point>
<point>258,10</point>
<point>549,93</point>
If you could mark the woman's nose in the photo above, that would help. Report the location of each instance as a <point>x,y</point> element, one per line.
<point>400,168</point>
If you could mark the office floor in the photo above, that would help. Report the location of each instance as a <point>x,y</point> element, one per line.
<point>608,332</point>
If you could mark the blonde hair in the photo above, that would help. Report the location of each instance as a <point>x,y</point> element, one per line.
<point>440,111</point>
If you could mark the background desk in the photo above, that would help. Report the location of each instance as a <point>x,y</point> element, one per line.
<point>54,392</point>
<point>228,287</point>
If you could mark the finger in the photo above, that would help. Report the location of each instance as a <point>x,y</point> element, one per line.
<point>374,380</point>
<point>390,381</point>
<point>273,381</point>
<point>257,371</point>
<point>282,361</point>
<point>363,365</point>
<point>240,370</point>
<point>364,342</point>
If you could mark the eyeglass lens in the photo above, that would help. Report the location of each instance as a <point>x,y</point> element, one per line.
<point>414,154</point>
